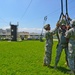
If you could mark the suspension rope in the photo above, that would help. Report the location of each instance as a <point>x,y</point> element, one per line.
<point>26,9</point>
<point>61,6</point>
<point>66,8</point>
<point>68,19</point>
<point>61,10</point>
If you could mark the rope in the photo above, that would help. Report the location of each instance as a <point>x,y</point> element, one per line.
<point>26,9</point>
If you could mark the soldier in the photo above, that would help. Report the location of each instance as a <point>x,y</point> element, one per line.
<point>71,47</point>
<point>49,44</point>
<point>62,43</point>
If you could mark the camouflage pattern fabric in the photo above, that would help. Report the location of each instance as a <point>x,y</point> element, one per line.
<point>71,48</point>
<point>62,45</point>
<point>48,46</point>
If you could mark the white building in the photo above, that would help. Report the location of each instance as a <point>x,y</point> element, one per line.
<point>6,34</point>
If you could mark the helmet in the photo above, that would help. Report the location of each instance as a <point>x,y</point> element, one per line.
<point>69,18</point>
<point>63,26</point>
<point>58,24</point>
<point>45,27</point>
<point>73,22</point>
<point>63,22</point>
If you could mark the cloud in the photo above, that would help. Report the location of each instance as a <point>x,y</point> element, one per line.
<point>30,30</point>
<point>8,27</point>
<point>36,30</point>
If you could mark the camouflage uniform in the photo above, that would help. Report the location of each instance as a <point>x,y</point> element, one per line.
<point>62,45</point>
<point>71,47</point>
<point>48,46</point>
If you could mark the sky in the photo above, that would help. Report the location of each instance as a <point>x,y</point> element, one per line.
<point>29,14</point>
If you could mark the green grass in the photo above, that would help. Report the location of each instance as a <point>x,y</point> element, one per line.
<point>26,58</point>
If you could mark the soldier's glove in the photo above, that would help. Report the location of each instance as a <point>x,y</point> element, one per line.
<point>68,27</point>
<point>69,18</point>
<point>58,24</point>
<point>64,16</point>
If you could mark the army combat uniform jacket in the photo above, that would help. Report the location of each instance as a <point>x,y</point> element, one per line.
<point>71,48</point>
<point>48,46</point>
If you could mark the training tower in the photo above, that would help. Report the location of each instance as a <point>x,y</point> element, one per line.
<point>13,32</point>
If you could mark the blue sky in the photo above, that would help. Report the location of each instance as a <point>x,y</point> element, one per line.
<point>31,19</point>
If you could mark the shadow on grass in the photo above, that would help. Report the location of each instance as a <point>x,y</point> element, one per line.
<point>51,67</point>
<point>63,69</point>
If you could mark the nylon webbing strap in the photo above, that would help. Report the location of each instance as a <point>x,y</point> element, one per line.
<point>61,10</point>
<point>61,6</point>
<point>74,62</point>
<point>66,8</point>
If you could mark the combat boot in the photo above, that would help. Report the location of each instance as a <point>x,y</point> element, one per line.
<point>71,72</point>
<point>55,67</point>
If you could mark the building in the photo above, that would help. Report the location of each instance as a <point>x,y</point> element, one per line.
<point>6,34</point>
<point>34,36</point>
<point>23,35</point>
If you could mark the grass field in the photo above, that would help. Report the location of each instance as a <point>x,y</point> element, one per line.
<point>26,58</point>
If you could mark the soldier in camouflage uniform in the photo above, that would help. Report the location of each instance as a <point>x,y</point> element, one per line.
<point>62,43</point>
<point>49,44</point>
<point>71,47</point>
